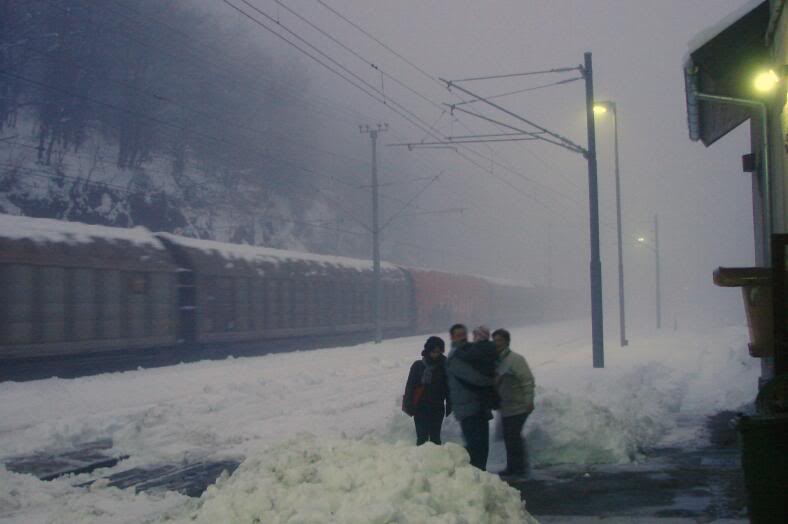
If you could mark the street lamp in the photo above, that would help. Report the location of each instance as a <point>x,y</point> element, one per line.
<point>766,81</point>
<point>602,108</point>
<point>655,249</point>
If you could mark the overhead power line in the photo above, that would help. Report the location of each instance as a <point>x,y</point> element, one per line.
<point>527,73</point>
<point>383,45</point>
<point>413,119</point>
<point>520,91</point>
<point>462,100</point>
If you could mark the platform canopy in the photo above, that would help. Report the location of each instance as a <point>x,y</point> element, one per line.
<point>723,60</point>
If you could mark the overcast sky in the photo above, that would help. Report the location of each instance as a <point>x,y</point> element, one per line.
<point>701,195</point>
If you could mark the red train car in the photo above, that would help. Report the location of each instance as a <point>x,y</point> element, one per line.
<point>69,288</point>
<point>441,299</point>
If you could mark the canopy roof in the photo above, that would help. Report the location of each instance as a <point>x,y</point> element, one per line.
<point>723,61</point>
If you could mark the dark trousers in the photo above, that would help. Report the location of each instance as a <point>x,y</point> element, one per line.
<point>428,427</point>
<point>516,454</point>
<point>476,432</point>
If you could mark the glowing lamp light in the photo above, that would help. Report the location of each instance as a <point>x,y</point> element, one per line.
<point>600,109</point>
<point>642,240</point>
<point>766,81</point>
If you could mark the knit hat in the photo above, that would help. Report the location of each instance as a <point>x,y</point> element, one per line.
<point>482,333</point>
<point>433,343</point>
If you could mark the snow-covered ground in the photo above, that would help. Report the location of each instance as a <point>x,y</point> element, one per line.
<point>653,392</point>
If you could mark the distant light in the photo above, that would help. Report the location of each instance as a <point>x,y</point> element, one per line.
<point>766,81</point>
<point>642,240</point>
<point>600,109</point>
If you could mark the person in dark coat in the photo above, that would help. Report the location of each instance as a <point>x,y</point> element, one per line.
<point>471,376</point>
<point>426,396</point>
<point>481,354</point>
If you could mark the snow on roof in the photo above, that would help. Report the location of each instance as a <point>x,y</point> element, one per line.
<point>49,231</point>
<point>265,254</point>
<point>703,37</point>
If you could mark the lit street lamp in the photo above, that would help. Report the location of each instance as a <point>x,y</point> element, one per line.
<point>655,248</point>
<point>602,108</point>
<point>766,81</point>
<point>764,84</point>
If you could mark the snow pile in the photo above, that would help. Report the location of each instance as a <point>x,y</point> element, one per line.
<point>26,500</point>
<point>658,391</point>
<point>307,480</point>
<point>569,429</point>
<point>617,416</point>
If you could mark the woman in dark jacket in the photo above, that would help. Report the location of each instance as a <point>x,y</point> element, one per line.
<point>426,392</point>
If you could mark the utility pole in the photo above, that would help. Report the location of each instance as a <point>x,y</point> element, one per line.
<point>656,254</point>
<point>549,255</point>
<point>534,131</point>
<point>597,334</point>
<point>377,287</point>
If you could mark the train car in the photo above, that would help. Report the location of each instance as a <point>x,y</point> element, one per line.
<point>232,293</point>
<point>70,288</point>
<point>517,303</point>
<point>73,288</point>
<point>441,299</point>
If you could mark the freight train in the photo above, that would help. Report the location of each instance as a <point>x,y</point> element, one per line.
<point>68,288</point>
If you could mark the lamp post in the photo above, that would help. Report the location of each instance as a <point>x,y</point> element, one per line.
<point>601,108</point>
<point>656,261</point>
<point>657,269</point>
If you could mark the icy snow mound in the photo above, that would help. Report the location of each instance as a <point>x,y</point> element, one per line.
<point>359,481</point>
<point>619,414</point>
<point>25,499</point>
<point>572,430</point>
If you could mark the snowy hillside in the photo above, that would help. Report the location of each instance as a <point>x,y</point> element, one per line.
<point>143,113</point>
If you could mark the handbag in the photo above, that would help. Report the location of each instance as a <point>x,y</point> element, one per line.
<point>409,405</point>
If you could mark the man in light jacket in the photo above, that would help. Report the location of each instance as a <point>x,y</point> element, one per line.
<point>515,384</point>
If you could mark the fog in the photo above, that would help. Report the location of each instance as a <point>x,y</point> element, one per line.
<point>150,356</point>
<point>530,221</point>
<point>243,119</point>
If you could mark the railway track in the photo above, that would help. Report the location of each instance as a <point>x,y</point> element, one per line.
<point>81,365</point>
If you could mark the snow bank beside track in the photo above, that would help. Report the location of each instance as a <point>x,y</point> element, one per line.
<point>366,481</point>
<point>657,390</point>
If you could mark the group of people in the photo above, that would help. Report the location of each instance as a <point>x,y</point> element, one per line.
<point>475,379</point>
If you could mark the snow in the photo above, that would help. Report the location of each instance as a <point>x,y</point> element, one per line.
<point>655,391</point>
<point>704,36</point>
<point>45,230</point>
<point>307,480</point>
<point>263,254</point>
<point>641,398</point>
